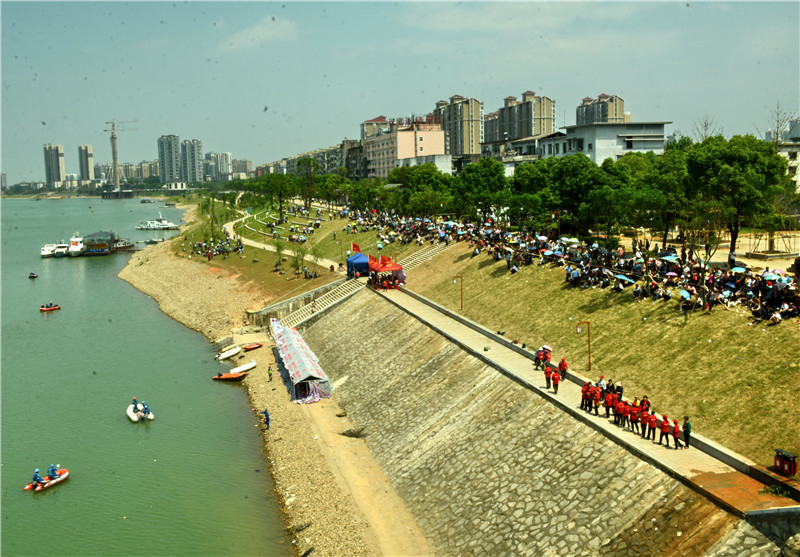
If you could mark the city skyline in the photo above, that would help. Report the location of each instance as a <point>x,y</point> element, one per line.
<point>269,80</point>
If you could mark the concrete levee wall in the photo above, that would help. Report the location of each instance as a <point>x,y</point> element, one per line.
<point>261,317</point>
<point>488,467</point>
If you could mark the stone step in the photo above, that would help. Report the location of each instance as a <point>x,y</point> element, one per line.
<point>323,302</point>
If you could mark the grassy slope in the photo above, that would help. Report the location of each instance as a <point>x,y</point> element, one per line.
<point>740,384</point>
<point>742,389</point>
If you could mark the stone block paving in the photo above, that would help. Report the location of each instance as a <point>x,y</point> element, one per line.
<point>709,475</point>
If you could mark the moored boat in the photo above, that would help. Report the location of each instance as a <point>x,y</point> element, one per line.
<point>63,474</point>
<point>157,224</point>
<point>76,246</point>
<point>61,250</point>
<point>228,353</point>
<point>230,376</point>
<point>48,250</point>
<point>252,346</point>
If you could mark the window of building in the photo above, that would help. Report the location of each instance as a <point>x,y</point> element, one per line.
<point>793,156</point>
<point>420,147</point>
<point>421,138</point>
<point>556,148</point>
<point>590,147</point>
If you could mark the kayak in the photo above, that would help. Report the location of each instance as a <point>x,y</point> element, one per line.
<point>50,308</point>
<point>249,347</point>
<point>138,416</point>
<point>228,353</point>
<point>63,474</point>
<point>33,275</point>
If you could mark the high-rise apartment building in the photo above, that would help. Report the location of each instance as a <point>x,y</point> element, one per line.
<point>169,158</point>
<point>54,169</point>
<point>85,163</point>
<point>386,142</point>
<point>462,122</point>
<point>224,166</point>
<point>533,116</point>
<point>605,108</point>
<point>242,166</point>
<point>192,161</point>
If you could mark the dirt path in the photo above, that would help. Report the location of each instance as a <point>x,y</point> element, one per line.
<point>357,473</point>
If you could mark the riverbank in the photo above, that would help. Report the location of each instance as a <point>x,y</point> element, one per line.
<point>335,498</point>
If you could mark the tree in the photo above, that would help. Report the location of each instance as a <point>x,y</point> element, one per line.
<point>280,247</point>
<point>705,127</point>
<point>743,174</point>
<point>307,169</point>
<point>779,121</point>
<point>282,188</point>
<point>484,180</point>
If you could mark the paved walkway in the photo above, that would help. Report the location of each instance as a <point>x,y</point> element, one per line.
<point>730,489</point>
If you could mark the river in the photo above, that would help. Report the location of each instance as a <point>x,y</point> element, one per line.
<point>192,482</point>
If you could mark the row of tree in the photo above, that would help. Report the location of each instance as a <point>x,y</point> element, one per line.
<point>715,184</point>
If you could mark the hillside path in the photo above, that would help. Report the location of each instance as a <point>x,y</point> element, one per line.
<point>727,487</point>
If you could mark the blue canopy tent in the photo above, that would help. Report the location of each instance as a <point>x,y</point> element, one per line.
<point>358,263</point>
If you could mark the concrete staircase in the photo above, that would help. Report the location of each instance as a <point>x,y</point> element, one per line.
<point>345,290</point>
<point>425,254</point>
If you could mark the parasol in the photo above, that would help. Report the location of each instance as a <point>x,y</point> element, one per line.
<point>685,294</point>
<point>672,274</point>
<point>738,270</point>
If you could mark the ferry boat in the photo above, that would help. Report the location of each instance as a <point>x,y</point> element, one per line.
<point>48,250</point>
<point>76,246</point>
<point>99,243</point>
<point>123,245</point>
<point>61,249</point>
<point>158,224</point>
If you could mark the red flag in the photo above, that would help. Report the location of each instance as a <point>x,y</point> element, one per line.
<point>354,247</point>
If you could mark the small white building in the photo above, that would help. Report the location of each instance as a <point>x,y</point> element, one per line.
<point>603,140</point>
<point>174,186</point>
<point>443,163</point>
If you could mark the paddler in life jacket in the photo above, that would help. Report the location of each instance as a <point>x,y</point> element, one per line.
<point>145,408</point>
<point>52,472</point>
<point>37,479</point>
<point>135,405</point>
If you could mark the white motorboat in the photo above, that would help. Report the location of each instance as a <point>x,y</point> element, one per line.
<point>158,224</point>
<point>244,367</point>
<point>48,250</point>
<point>229,353</point>
<point>138,416</point>
<point>76,246</point>
<point>61,250</point>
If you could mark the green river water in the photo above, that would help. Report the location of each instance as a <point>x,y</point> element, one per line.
<point>192,482</point>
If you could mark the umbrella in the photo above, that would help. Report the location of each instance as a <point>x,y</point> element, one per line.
<point>731,285</point>
<point>778,286</point>
<point>738,270</point>
<point>380,246</point>
<point>771,276</point>
<point>685,294</point>
<point>623,277</point>
<point>548,252</point>
<point>672,274</point>
<point>449,223</point>
<point>461,232</point>
<point>670,258</point>
<point>543,238</point>
<point>558,253</point>
<point>547,348</point>
<point>563,239</point>
<point>574,240</point>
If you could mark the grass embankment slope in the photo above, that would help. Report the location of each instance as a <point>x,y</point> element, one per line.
<point>739,383</point>
<point>741,389</point>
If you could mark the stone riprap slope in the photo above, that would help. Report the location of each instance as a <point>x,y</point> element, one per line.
<point>490,468</point>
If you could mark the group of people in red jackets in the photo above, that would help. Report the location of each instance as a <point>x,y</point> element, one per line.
<point>636,415</point>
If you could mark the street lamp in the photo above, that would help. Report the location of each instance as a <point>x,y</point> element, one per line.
<point>559,221</point>
<point>462,289</point>
<point>588,340</point>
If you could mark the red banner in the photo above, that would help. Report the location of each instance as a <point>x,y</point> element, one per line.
<point>354,247</point>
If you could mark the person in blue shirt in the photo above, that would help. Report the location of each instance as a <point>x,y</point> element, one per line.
<point>52,472</point>
<point>266,417</point>
<point>37,479</point>
<point>145,408</point>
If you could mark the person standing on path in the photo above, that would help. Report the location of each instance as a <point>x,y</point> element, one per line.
<point>645,418</point>
<point>676,434</point>
<point>556,380</point>
<point>269,371</point>
<point>266,417</point>
<point>562,368</point>
<point>651,426</point>
<point>664,429</point>
<point>687,431</point>
<point>548,373</point>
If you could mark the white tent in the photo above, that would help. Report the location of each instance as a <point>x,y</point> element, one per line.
<point>300,362</point>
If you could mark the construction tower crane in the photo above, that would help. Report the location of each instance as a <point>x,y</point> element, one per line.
<point>113,131</point>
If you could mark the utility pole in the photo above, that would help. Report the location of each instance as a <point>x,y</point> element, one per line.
<point>113,131</point>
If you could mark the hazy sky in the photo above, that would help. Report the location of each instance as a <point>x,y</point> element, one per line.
<point>268,80</point>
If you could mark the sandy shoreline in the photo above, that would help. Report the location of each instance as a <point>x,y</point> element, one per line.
<point>335,498</point>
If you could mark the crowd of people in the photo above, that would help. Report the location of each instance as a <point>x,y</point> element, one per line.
<point>215,248</point>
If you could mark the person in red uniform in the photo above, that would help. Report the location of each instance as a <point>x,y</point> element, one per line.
<point>634,418</point>
<point>651,426</point>
<point>584,396</point>
<point>607,402</point>
<point>664,429</point>
<point>645,417</point>
<point>597,395</point>
<point>548,373</point>
<point>556,380</point>
<point>563,367</point>
<point>676,434</point>
<point>619,408</point>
